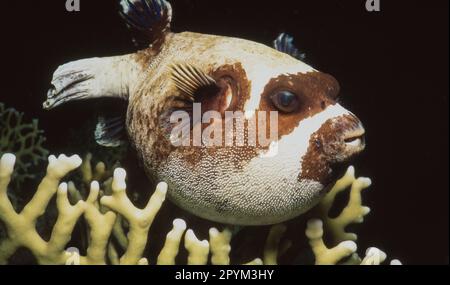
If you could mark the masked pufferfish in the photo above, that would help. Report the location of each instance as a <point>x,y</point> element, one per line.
<point>233,185</point>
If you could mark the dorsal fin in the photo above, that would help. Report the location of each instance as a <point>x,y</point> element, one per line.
<point>285,43</point>
<point>151,18</point>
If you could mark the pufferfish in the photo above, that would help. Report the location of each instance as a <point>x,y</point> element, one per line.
<point>238,184</point>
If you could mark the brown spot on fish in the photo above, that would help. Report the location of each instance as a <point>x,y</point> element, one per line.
<point>315,91</point>
<point>231,79</point>
<point>327,148</point>
<point>234,77</point>
<point>144,57</point>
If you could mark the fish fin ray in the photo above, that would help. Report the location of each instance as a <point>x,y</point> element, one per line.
<point>189,79</point>
<point>151,18</point>
<point>285,43</point>
<point>110,132</point>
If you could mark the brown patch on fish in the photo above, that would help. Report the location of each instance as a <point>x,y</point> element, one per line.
<point>235,77</point>
<point>144,57</point>
<point>326,146</point>
<point>315,90</point>
<point>230,78</point>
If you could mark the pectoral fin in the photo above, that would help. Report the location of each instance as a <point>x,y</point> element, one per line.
<point>190,79</point>
<point>110,132</point>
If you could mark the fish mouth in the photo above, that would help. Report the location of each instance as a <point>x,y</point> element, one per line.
<point>355,139</point>
<point>351,142</point>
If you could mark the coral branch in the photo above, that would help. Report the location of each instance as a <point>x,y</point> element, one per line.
<point>256,261</point>
<point>21,228</point>
<point>198,250</point>
<point>62,231</point>
<point>101,226</point>
<point>6,170</point>
<point>140,220</point>
<point>172,245</point>
<point>374,256</point>
<point>324,255</point>
<point>220,246</point>
<point>56,170</point>
<point>354,212</point>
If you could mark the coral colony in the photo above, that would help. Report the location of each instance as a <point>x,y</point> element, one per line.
<point>104,209</point>
<point>22,138</point>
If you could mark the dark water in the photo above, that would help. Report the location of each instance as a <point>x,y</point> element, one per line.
<point>392,66</point>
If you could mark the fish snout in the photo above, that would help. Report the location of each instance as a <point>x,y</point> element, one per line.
<point>345,139</point>
<point>350,138</point>
<point>354,140</point>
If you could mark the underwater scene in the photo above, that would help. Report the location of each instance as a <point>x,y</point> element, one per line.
<point>194,132</point>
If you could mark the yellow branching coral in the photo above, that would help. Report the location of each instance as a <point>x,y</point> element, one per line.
<point>109,212</point>
<point>344,251</point>
<point>220,246</point>
<point>171,247</point>
<point>21,227</point>
<point>198,250</point>
<point>354,212</point>
<point>104,215</point>
<point>140,220</point>
<point>324,255</point>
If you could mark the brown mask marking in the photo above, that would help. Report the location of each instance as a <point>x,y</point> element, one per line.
<point>315,92</point>
<point>145,56</point>
<point>325,149</point>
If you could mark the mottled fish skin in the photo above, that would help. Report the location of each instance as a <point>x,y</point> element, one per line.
<point>233,185</point>
<point>239,185</point>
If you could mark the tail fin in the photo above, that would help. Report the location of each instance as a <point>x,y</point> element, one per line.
<point>95,78</point>
<point>89,79</point>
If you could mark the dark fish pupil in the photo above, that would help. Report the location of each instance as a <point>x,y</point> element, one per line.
<point>286,98</point>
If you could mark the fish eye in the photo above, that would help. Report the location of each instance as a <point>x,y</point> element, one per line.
<point>285,101</point>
